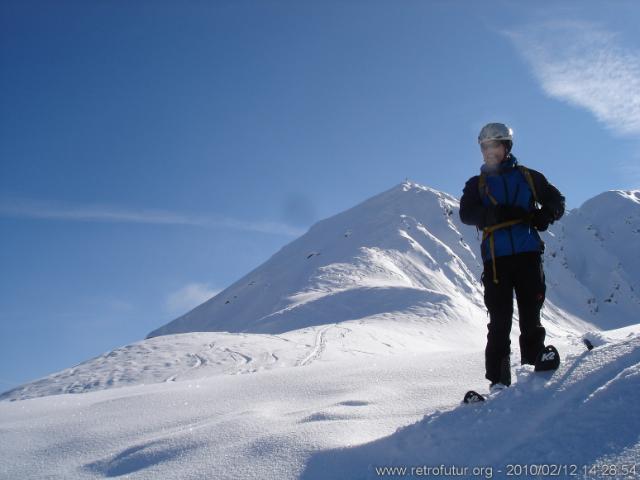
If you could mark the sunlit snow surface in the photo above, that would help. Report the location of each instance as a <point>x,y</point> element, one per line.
<point>351,349</point>
<point>337,417</point>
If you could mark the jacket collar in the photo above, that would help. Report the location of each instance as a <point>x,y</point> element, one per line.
<point>507,164</point>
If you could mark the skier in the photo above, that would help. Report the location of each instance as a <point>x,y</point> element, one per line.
<point>502,202</point>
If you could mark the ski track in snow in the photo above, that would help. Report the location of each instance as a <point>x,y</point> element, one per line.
<point>318,347</point>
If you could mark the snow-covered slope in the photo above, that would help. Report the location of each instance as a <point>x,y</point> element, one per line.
<point>337,419</point>
<point>194,356</point>
<point>403,250</point>
<point>593,261</point>
<point>579,421</point>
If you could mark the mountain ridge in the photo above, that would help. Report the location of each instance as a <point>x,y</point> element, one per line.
<point>422,224</point>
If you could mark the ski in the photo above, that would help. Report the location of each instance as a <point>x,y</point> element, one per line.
<point>548,360</point>
<point>473,397</point>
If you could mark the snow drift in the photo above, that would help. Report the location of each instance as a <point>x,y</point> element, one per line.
<point>580,420</point>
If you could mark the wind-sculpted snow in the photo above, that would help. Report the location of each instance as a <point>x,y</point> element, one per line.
<point>261,425</point>
<point>192,356</point>
<point>582,415</point>
<point>339,414</point>
<point>179,357</point>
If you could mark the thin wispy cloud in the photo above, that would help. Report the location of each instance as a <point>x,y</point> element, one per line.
<point>189,297</point>
<point>103,213</point>
<point>585,65</point>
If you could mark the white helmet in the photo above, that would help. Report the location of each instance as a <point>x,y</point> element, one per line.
<point>495,131</point>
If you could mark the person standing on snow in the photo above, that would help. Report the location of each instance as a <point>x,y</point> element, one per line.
<point>502,202</point>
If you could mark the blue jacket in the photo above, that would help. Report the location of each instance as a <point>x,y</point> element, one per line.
<point>508,186</point>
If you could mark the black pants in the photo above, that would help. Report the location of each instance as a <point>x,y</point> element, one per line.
<point>524,274</point>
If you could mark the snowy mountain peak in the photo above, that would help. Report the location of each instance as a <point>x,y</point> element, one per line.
<point>409,185</point>
<point>608,204</point>
<point>400,250</point>
<point>405,250</point>
<point>592,259</point>
<point>633,195</point>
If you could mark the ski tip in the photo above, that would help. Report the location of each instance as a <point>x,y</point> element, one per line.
<point>587,343</point>
<point>472,397</point>
<point>548,359</point>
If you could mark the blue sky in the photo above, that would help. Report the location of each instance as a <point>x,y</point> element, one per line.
<point>152,153</point>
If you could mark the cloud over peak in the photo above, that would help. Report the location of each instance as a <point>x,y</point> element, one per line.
<point>587,66</point>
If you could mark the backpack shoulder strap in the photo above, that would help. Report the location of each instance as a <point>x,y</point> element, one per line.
<point>527,175</point>
<point>483,188</point>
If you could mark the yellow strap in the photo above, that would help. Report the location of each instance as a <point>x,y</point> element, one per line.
<point>498,226</point>
<point>491,197</point>
<point>483,186</point>
<point>488,232</point>
<point>493,258</point>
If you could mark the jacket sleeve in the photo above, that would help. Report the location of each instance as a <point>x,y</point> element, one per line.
<point>472,210</point>
<point>550,198</point>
